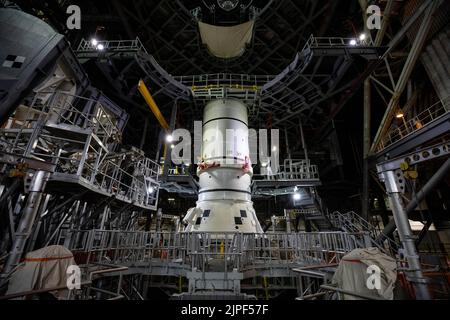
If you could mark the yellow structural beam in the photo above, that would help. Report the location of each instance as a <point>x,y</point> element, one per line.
<point>152,104</point>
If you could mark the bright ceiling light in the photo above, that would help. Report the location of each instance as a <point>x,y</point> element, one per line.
<point>169,138</point>
<point>362,36</point>
<point>297,196</point>
<point>399,115</point>
<point>94,42</point>
<point>100,47</point>
<point>172,146</point>
<point>352,42</point>
<point>150,190</point>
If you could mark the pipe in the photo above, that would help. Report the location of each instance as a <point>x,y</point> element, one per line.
<point>358,295</point>
<point>420,196</point>
<point>27,220</point>
<point>415,274</point>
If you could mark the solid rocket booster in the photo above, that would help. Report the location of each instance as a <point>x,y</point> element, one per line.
<point>225,172</point>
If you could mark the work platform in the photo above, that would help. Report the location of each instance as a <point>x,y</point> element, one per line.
<point>211,262</point>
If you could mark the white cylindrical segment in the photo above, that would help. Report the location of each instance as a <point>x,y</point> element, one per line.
<point>225,171</point>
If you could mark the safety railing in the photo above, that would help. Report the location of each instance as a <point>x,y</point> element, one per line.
<point>110,45</point>
<point>139,186</point>
<point>197,250</point>
<point>218,80</point>
<point>408,127</point>
<point>294,169</point>
<point>352,222</point>
<point>299,170</point>
<point>321,42</point>
<point>68,111</point>
<point>54,119</point>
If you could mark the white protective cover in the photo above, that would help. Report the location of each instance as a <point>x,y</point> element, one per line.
<point>226,42</point>
<point>42,269</point>
<point>352,273</point>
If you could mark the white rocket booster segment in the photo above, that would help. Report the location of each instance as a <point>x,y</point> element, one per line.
<point>224,203</point>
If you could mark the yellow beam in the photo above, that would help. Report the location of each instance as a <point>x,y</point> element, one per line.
<point>152,104</point>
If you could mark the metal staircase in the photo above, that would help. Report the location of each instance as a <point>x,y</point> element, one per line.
<point>351,222</point>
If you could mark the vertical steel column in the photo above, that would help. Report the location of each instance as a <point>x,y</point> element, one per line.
<point>415,274</point>
<point>288,221</point>
<point>421,194</point>
<point>366,124</point>
<point>144,135</point>
<point>288,150</point>
<point>305,149</point>
<point>27,220</point>
<point>168,156</point>
<point>366,149</point>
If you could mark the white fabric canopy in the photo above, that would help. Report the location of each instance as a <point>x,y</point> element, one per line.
<point>226,42</point>
<point>42,269</point>
<point>352,275</point>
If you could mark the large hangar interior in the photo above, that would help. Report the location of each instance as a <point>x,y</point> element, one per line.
<point>224,150</point>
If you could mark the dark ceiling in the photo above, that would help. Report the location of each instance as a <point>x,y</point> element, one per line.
<point>169,30</point>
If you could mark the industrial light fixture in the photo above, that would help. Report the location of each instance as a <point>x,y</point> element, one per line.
<point>227,5</point>
<point>297,196</point>
<point>100,47</point>
<point>94,42</point>
<point>172,146</point>
<point>399,115</point>
<point>362,36</point>
<point>150,190</point>
<point>353,42</point>
<point>169,138</point>
<point>274,148</point>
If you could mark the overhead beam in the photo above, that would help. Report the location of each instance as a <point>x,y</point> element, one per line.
<point>406,72</point>
<point>152,104</point>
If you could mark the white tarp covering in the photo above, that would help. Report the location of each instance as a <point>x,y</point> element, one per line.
<point>352,274</point>
<point>42,269</point>
<point>226,42</point>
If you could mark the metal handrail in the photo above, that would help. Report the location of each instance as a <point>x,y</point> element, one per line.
<point>351,293</point>
<point>111,45</point>
<point>217,80</point>
<point>56,109</point>
<point>427,116</point>
<point>352,222</point>
<point>194,249</point>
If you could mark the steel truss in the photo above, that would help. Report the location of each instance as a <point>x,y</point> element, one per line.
<point>66,150</point>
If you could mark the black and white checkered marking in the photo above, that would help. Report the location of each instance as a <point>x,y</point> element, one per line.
<point>13,61</point>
